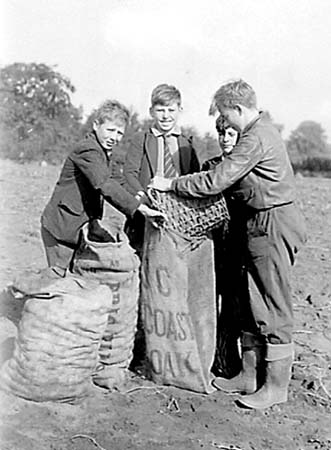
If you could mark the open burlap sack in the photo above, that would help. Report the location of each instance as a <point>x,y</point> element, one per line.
<point>116,265</point>
<point>178,292</point>
<point>179,310</point>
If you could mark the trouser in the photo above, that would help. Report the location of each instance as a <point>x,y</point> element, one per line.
<point>232,290</point>
<point>59,254</point>
<point>274,237</point>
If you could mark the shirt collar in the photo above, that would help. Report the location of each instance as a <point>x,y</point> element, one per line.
<point>176,131</point>
<point>253,122</point>
<point>93,136</point>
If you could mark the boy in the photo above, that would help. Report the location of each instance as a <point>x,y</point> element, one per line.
<point>231,277</point>
<point>227,139</point>
<point>85,181</point>
<point>163,150</point>
<point>260,171</point>
<point>227,135</point>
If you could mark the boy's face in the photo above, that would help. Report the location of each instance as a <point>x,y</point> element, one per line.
<point>165,116</point>
<point>109,133</point>
<point>228,139</point>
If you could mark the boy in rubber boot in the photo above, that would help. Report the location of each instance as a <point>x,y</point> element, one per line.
<point>259,177</point>
<point>278,365</point>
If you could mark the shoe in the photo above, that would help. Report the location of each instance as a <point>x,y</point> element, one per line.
<point>247,381</point>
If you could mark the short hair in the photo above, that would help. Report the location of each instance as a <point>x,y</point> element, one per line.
<point>112,110</point>
<point>163,94</point>
<point>231,94</point>
<point>220,124</point>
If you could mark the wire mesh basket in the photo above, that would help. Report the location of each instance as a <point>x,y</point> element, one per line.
<point>192,217</point>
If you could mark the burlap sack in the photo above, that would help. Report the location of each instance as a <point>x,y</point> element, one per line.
<point>117,266</point>
<point>56,349</point>
<point>179,309</point>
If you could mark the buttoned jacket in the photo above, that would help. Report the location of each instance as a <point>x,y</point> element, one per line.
<point>84,182</point>
<point>141,160</point>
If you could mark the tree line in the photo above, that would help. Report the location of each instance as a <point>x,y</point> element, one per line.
<point>39,122</point>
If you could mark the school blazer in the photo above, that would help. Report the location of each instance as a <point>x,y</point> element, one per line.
<point>84,182</point>
<point>141,160</point>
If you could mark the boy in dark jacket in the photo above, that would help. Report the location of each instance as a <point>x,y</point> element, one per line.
<point>259,177</point>
<point>84,183</point>
<point>231,277</point>
<point>163,150</point>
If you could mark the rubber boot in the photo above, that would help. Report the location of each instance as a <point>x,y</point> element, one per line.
<point>247,381</point>
<point>279,359</point>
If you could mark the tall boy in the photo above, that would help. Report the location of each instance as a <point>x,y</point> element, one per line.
<point>163,150</point>
<point>259,172</point>
<point>85,181</point>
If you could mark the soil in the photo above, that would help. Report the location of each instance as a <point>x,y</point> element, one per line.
<point>142,415</point>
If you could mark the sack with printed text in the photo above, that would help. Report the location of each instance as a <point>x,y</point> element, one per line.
<point>179,310</point>
<point>116,265</point>
<point>178,292</point>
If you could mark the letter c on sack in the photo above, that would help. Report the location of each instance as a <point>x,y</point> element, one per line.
<point>162,278</point>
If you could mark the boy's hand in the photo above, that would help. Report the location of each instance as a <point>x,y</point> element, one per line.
<point>156,217</point>
<point>161,184</point>
<point>141,196</point>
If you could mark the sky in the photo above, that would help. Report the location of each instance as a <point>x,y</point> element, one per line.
<point>123,48</point>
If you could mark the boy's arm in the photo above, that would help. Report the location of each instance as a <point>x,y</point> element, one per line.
<point>246,154</point>
<point>91,163</point>
<point>195,164</point>
<point>132,165</point>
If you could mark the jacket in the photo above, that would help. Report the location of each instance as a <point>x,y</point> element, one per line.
<point>84,182</point>
<point>257,173</point>
<point>141,160</point>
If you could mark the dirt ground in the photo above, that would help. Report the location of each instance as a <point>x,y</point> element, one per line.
<point>158,417</point>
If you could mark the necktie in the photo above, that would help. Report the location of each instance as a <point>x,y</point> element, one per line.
<point>169,170</point>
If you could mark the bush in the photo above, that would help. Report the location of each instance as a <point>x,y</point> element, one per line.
<point>37,147</point>
<point>314,166</point>
<point>38,120</point>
